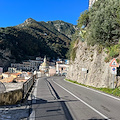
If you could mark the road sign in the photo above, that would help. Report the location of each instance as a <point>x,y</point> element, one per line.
<point>114,73</point>
<point>84,69</point>
<point>114,63</point>
<point>114,70</point>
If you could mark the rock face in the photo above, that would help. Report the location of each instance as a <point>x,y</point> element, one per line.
<point>98,72</point>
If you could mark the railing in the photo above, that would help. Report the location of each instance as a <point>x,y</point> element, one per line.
<point>27,85</point>
<point>17,95</point>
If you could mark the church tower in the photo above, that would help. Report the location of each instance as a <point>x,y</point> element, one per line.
<point>44,66</point>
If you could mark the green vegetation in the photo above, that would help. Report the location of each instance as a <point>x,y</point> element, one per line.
<point>83,19</point>
<point>118,15</point>
<point>102,27</point>
<point>113,51</point>
<point>71,54</point>
<point>115,92</point>
<point>32,38</point>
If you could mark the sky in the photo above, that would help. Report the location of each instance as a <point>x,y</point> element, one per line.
<point>14,12</point>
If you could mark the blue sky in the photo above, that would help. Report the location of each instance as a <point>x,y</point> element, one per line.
<point>14,12</point>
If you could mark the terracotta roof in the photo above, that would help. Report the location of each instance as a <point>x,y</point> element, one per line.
<point>7,80</point>
<point>28,72</point>
<point>6,73</point>
<point>16,74</point>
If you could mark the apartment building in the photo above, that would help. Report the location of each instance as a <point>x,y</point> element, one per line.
<point>30,65</point>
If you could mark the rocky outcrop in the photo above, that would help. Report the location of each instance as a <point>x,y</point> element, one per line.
<point>89,67</point>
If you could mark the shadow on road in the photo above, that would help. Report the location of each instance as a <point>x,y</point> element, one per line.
<point>14,112</point>
<point>55,109</point>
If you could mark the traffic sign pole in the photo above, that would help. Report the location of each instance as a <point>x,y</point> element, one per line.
<point>113,81</point>
<point>113,66</point>
<point>114,72</point>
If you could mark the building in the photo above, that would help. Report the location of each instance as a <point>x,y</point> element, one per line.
<point>13,70</point>
<point>23,77</point>
<point>15,75</point>
<point>1,70</point>
<point>67,62</point>
<point>91,2</point>
<point>44,67</point>
<point>61,68</point>
<point>52,70</point>
<point>34,64</point>
<point>7,80</point>
<point>30,65</point>
<point>6,75</point>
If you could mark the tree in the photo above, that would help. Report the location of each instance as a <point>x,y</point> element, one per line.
<point>118,15</point>
<point>103,27</point>
<point>83,19</point>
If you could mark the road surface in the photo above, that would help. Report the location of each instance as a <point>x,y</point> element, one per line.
<point>54,98</point>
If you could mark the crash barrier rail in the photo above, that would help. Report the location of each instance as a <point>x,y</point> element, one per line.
<point>27,85</point>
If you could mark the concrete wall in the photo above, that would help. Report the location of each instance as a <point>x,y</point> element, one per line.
<point>11,97</point>
<point>14,92</point>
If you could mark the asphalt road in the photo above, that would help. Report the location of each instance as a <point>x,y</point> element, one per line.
<point>56,99</point>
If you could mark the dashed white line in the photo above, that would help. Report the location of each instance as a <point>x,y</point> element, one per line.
<point>83,102</point>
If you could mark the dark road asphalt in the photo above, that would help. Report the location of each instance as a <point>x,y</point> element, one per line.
<point>56,99</point>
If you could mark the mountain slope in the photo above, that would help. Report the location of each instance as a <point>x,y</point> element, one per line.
<point>32,38</point>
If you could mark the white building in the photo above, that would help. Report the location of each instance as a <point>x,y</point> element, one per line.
<point>61,68</point>
<point>30,65</point>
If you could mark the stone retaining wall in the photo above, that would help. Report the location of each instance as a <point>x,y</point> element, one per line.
<point>11,97</point>
<point>14,91</point>
<point>90,68</point>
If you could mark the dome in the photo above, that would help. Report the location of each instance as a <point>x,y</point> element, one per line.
<point>44,66</point>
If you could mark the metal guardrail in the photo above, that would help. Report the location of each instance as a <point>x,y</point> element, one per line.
<point>27,85</point>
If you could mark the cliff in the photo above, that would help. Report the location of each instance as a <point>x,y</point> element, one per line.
<point>99,30</point>
<point>90,68</point>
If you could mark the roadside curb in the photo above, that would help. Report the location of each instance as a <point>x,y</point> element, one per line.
<point>100,92</point>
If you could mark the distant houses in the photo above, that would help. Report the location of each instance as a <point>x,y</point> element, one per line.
<point>8,77</point>
<point>30,65</point>
<point>20,72</point>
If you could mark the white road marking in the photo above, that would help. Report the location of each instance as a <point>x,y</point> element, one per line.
<point>95,91</point>
<point>32,115</point>
<point>34,97</point>
<point>83,102</point>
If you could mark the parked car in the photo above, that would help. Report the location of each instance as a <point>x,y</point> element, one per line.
<point>64,74</point>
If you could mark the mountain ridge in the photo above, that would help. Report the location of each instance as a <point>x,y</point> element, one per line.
<point>33,38</point>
